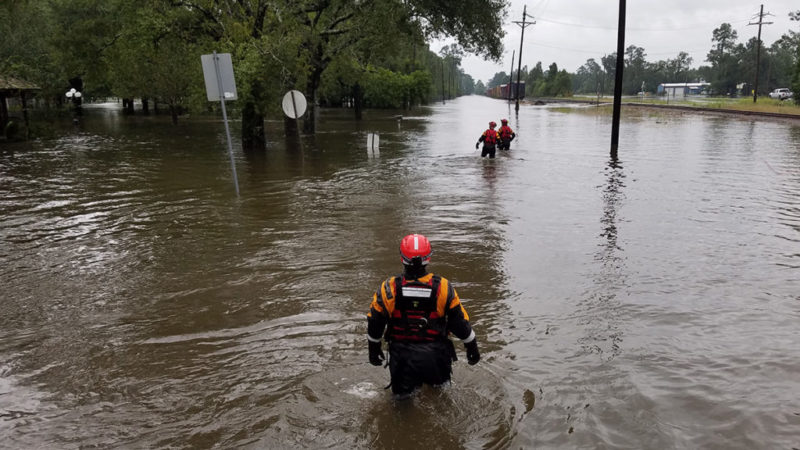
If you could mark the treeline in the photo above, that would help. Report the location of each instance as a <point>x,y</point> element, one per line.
<point>365,53</point>
<point>731,69</point>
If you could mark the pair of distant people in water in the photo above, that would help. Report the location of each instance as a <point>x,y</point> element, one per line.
<point>492,139</point>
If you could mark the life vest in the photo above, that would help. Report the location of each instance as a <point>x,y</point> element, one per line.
<point>505,132</point>
<point>415,317</point>
<point>490,137</point>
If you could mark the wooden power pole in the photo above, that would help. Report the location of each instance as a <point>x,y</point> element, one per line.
<point>758,50</point>
<point>618,80</point>
<point>522,24</point>
<point>511,75</point>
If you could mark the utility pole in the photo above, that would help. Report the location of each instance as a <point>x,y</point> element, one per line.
<point>511,75</point>
<point>522,24</point>
<point>443,81</point>
<point>758,51</point>
<point>618,80</point>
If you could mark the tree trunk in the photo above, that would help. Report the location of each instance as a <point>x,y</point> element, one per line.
<point>3,113</point>
<point>310,124</point>
<point>127,105</point>
<point>145,105</point>
<point>173,111</point>
<point>25,115</point>
<point>253,136</point>
<point>358,98</point>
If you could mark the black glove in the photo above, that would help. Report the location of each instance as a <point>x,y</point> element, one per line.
<point>473,355</point>
<point>376,356</point>
<point>476,145</point>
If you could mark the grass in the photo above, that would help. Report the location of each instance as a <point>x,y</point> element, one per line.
<point>764,104</point>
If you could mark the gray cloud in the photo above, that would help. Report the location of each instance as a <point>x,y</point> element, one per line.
<point>568,32</point>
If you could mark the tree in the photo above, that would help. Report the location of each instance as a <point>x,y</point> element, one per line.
<point>722,59</point>
<point>795,16</point>
<point>498,79</point>
<point>678,68</point>
<point>609,63</point>
<point>635,68</point>
<point>325,30</point>
<point>589,77</point>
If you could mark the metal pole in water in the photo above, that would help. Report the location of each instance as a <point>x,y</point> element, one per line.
<point>225,119</point>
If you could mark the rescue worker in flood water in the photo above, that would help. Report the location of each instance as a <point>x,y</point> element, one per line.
<point>415,312</point>
<point>490,139</point>
<point>506,135</point>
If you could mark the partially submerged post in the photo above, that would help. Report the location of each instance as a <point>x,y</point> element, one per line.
<point>618,80</point>
<point>294,106</point>
<point>511,75</point>
<point>220,85</point>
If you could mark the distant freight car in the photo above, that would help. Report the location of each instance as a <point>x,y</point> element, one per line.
<point>502,90</point>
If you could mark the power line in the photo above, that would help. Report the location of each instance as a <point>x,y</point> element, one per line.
<point>578,25</point>
<point>575,50</point>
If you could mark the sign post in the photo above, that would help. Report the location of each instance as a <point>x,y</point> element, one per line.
<point>221,85</point>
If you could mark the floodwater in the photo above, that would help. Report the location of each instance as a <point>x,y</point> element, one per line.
<point>649,302</point>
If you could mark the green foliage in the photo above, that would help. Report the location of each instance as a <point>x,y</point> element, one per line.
<point>796,80</point>
<point>328,50</point>
<point>386,89</point>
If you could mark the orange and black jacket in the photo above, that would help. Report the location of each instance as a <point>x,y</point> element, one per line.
<point>417,311</point>
<point>489,137</point>
<point>506,133</point>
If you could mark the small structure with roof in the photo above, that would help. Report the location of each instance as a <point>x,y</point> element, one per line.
<point>680,90</point>
<point>14,88</point>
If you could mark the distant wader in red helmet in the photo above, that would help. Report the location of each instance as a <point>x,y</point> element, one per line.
<point>506,135</point>
<point>415,312</point>
<point>490,138</point>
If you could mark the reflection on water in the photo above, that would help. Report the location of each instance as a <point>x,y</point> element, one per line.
<point>644,304</point>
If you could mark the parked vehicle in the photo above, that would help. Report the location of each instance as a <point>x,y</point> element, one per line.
<point>781,94</point>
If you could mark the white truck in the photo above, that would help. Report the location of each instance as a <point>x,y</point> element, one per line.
<point>781,94</point>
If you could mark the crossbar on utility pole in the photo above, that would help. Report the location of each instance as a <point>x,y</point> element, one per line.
<point>618,80</point>
<point>758,50</point>
<point>522,24</point>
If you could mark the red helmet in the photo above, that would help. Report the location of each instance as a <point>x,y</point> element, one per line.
<point>415,246</point>
<point>504,121</point>
<point>492,124</point>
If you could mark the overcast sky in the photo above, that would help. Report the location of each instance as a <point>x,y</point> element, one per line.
<point>568,32</point>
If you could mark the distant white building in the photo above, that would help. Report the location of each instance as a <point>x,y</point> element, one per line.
<point>679,90</point>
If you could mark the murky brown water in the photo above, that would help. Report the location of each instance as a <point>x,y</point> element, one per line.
<point>652,303</point>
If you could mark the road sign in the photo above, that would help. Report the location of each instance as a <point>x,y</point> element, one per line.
<point>228,84</point>
<point>218,72</point>
<point>294,104</point>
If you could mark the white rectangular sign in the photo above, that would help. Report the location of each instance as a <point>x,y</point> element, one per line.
<point>226,82</point>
